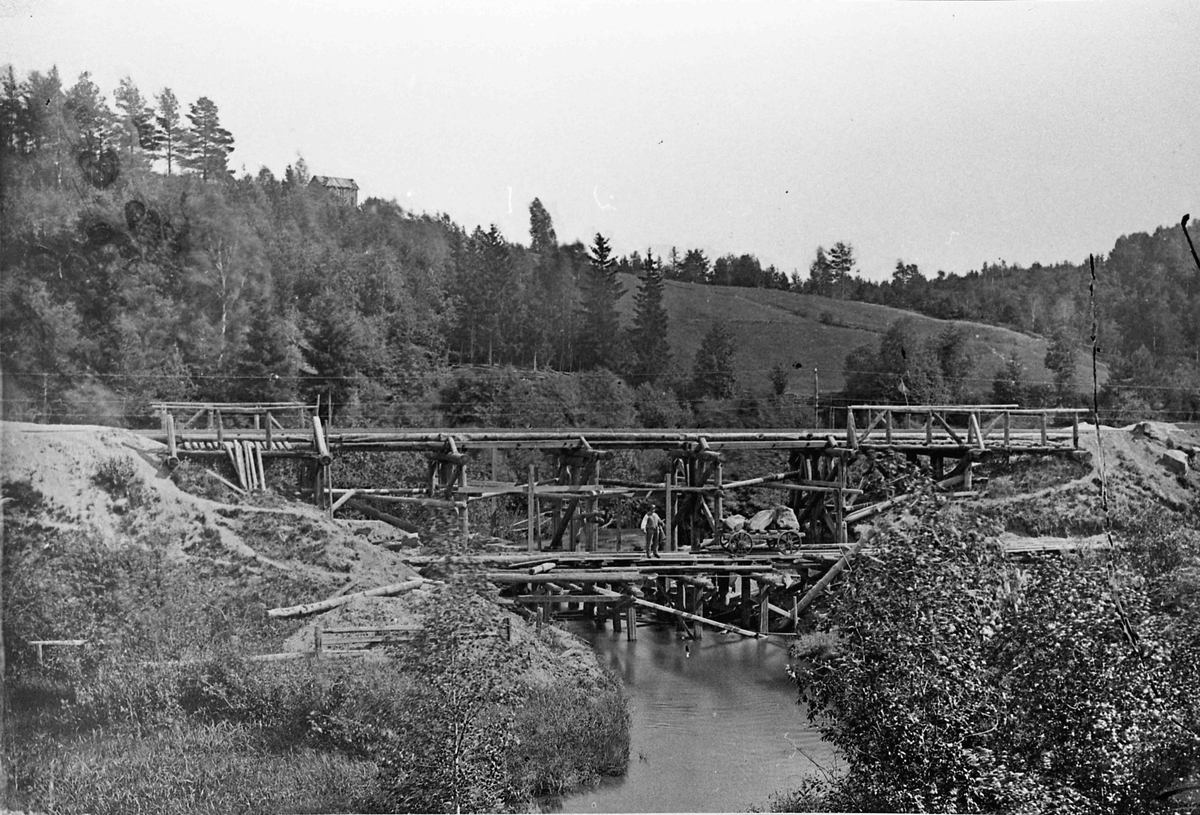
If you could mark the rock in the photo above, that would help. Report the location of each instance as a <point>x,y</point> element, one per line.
<point>786,519</point>
<point>733,523</point>
<point>1156,431</point>
<point>121,506</point>
<point>761,520</point>
<point>1176,461</point>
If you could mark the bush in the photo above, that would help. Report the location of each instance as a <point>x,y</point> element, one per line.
<point>119,477</point>
<point>197,480</point>
<point>964,683</point>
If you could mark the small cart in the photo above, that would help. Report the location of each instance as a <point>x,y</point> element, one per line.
<point>777,540</point>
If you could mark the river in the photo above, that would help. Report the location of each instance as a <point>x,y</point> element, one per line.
<point>716,726</point>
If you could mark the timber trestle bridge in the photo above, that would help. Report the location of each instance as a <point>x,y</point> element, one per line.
<point>577,551</point>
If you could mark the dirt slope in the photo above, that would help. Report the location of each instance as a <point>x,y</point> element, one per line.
<point>247,543</point>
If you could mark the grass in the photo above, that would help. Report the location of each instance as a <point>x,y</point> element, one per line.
<point>775,327</point>
<point>161,712</point>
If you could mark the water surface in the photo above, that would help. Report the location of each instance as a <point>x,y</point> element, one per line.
<point>716,726</point>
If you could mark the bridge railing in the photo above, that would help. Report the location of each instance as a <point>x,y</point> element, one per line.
<point>967,426</point>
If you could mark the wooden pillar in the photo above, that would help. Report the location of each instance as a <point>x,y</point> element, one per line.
<point>966,482</point>
<point>692,476</point>
<point>620,519</point>
<point>531,509</point>
<point>631,623</point>
<point>719,505</point>
<point>592,526</point>
<point>939,466</point>
<point>668,520</point>
<point>464,513</point>
<point>764,610</point>
<point>745,581</point>
<point>616,619</point>
<point>698,610</point>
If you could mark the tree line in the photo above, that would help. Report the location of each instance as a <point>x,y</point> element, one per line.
<point>139,268</point>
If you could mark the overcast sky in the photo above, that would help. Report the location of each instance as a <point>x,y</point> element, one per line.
<point>947,134</point>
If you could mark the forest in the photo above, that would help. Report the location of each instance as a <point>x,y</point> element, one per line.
<point>138,267</point>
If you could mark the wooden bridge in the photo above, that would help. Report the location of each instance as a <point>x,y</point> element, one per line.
<point>577,559</point>
<point>572,492</point>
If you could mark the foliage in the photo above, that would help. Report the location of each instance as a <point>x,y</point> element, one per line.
<point>162,709</point>
<point>600,340</point>
<point>962,682</point>
<point>1060,359</point>
<point>714,374</point>
<point>650,351</point>
<point>119,477</point>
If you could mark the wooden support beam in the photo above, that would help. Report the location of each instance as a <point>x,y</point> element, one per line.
<point>561,575</point>
<point>834,570</point>
<point>531,509</point>
<point>695,618</point>
<point>336,505</point>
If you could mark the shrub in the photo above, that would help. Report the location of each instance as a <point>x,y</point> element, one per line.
<point>964,683</point>
<point>119,477</point>
<point>197,480</point>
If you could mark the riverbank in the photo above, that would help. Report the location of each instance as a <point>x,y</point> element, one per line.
<point>162,701</point>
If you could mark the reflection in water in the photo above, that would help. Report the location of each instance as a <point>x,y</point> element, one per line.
<point>715,724</point>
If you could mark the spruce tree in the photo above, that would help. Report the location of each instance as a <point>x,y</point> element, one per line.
<point>600,343</point>
<point>206,145</point>
<point>266,368</point>
<point>714,372</point>
<point>651,351</point>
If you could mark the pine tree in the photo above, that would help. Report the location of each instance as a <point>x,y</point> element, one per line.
<point>600,343</point>
<point>841,269</point>
<point>206,145</point>
<point>138,132</point>
<point>714,374</point>
<point>541,229</point>
<point>820,275</point>
<point>170,140</point>
<point>648,338</point>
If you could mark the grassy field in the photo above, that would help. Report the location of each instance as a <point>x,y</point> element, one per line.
<point>774,327</point>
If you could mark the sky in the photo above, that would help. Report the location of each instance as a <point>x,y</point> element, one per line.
<point>947,134</point>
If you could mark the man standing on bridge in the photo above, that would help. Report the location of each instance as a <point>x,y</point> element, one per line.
<point>652,525</point>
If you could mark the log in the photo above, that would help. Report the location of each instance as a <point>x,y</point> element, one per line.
<point>437,503</point>
<point>562,576</point>
<point>695,618</point>
<point>828,577</point>
<point>333,602</point>
<point>375,514</point>
<point>572,598</point>
<point>875,509</point>
<point>542,567</point>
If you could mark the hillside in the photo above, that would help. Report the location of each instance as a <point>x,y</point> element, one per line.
<point>781,327</point>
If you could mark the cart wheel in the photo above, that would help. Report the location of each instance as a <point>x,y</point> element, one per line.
<point>738,542</point>
<point>788,541</point>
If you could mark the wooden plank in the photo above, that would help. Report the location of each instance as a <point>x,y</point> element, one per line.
<point>565,575</point>
<point>346,496</point>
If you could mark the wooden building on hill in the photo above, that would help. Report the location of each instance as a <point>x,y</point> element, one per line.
<point>344,189</point>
